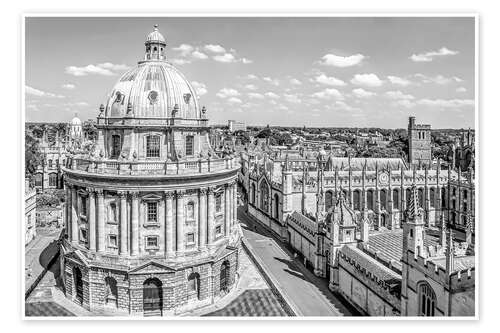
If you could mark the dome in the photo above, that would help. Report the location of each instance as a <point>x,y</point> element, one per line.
<point>76,121</point>
<point>155,36</point>
<point>153,89</point>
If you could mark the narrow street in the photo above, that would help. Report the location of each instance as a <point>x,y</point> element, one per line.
<point>309,293</point>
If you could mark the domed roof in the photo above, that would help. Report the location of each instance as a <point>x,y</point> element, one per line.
<point>155,36</point>
<point>76,121</point>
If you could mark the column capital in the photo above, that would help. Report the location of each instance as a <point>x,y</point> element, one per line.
<point>210,190</point>
<point>91,191</point>
<point>122,194</point>
<point>134,194</point>
<point>99,192</point>
<point>203,190</point>
<point>168,194</point>
<point>180,193</point>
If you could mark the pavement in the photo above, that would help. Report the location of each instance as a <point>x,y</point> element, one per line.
<point>310,294</point>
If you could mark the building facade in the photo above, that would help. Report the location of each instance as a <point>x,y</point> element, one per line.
<point>152,207</point>
<point>236,126</point>
<point>419,143</point>
<point>29,213</point>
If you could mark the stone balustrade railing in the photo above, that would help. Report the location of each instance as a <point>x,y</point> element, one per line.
<point>153,167</point>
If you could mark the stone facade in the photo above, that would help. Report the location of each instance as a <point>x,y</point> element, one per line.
<point>419,143</point>
<point>29,213</point>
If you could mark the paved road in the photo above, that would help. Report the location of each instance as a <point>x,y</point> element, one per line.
<point>309,293</point>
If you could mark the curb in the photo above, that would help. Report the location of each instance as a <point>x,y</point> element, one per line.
<point>290,308</point>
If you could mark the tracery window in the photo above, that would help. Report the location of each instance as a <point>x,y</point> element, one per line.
<point>383,199</point>
<point>395,198</point>
<point>426,300</point>
<point>357,200</point>
<point>264,196</point>
<point>432,197</point>
<point>369,199</point>
<point>152,146</point>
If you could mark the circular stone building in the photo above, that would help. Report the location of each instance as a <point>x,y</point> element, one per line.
<point>151,208</point>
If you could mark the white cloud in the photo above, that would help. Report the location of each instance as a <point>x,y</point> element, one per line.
<point>251,77</point>
<point>234,100</point>
<point>398,81</point>
<point>340,61</point>
<point>251,87</point>
<point>328,93</point>
<point>367,80</point>
<point>270,94</point>
<point>438,79</point>
<point>215,48</point>
<point>361,93</point>
<point>461,89</point>
<point>39,93</point>
<point>255,95</point>
<point>68,86</point>
<point>226,58</point>
<point>295,82</point>
<point>246,61</point>
<point>227,92</point>
<point>179,61</point>
<point>446,103</point>
<point>329,80</point>
<point>106,69</point>
<point>430,55</point>
<point>274,82</point>
<point>199,55</point>
<point>184,49</point>
<point>398,95</point>
<point>291,98</point>
<point>200,88</point>
<point>403,103</point>
<point>76,104</point>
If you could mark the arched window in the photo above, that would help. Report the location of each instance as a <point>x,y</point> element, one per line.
<point>426,300</point>
<point>395,198</point>
<point>276,213</point>
<point>253,193</point>
<point>383,199</point>
<point>50,163</point>
<point>224,276</point>
<point>152,146</point>
<point>152,297</point>
<point>190,210</point>
<point>112,212</point>
<point>78,284</point>
<point>408,196</point>
<point>432,197</point>
<point>53,179</point>
<point>357,200</point>
<point>328,200</point>
<point>115,146</point>
<point>189,145</point>
<point>194,285</point>
<point>218,202</point>
<point>369,199</point>
<point>444,202</point>
<point>421,197</point>
<point>264,196</point>
<point>111,291</point>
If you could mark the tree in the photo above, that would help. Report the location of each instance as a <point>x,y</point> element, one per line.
<point>32,154</point>
<point>90,129</point>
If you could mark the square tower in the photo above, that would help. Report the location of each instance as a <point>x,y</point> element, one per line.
<point>419,143</point>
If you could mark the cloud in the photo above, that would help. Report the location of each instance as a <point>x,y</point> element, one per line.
<point>251,86</point>
<point>340,61</point>
<point>251,77</point>
<point>234,100</point>
<point>403,103</point>
<point>39,93</point>
<point>106,69</point>
<point>398,81</point>
<point>292,98</point>
<point>446,103</point>
<point>329,80</point>
<point>361,93</point>
<point>246,61</point>
<point>200,88</point>
<point>295,82</point>
<point>76,104</point>
<point>328,93</point>
<point>367,80</point>
<point>270,94</point>
<point>225,58</point>
<point>438,79</point>
<point>461,89</point>
<point>274,82</point>
<point>199,55</point>
<point>255,95</point>
<point>398,95</point>
<point>179,61</point>
<point>430,55</point>
<point>215,48</point>
<point>184,49</point>
<point>227,92</point>
<point>68,86</point>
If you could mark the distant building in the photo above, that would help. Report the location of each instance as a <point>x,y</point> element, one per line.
<point>236,126</point>
<point>462,152</point>
<point>419,143</point>
<point>29,212</point>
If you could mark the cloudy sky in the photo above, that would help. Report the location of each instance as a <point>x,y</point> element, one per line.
<point>279,71</point>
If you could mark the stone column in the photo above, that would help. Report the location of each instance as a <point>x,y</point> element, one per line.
<point>134,225</point>
<point>74,215</point>
<point>231,205</point>
<point>180,222</point>
<point>227,218</point>
<point>101,235</point>
<point>202,218</point>
<point>210,216</point>
<point>123,223</point>
<point>169,224</point>
<point>91,219</point>
<point>235,203</point>
<point>67,217</point>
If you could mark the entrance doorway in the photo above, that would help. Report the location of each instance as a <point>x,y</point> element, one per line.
<point>77,279</point>
<point>152,297</point>
<point>224,276</point>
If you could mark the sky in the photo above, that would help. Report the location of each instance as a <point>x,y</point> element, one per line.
<point>317,72</point>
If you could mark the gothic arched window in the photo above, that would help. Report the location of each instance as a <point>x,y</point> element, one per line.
<point>276,206</point>
<point>328,200</point>
<point>420,197</point>
<point>426,300</point>
<point>432,197</point>
<point>264,196</point>
<point>253,193</point>
<point>383,199</point>
<point>357,200</point>
<point>369,199</point>
<point>395,198</point>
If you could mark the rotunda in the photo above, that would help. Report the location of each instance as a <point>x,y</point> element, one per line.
<point>151,215</point>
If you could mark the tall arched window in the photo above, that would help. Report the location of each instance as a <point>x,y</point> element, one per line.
<point>264,196</point>
<point>369,199</point>
<point>444,202</point>
<point>426,300</point>
<point>153,146</point>
<point>194,285</point>
<point>395,198</point>
<point>383,199</point>
<point>408,196</point>
<point>111,291</point>
<point>253,193</point>
<point>190,210</point>
<point>432,197</point>
<point>421,197</point>
<point>328,200</point>
<point>357,200</point>
<point>224,276</point>
<point>276,206</point>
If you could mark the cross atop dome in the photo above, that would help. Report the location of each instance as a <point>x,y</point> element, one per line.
<point>155,45</point>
